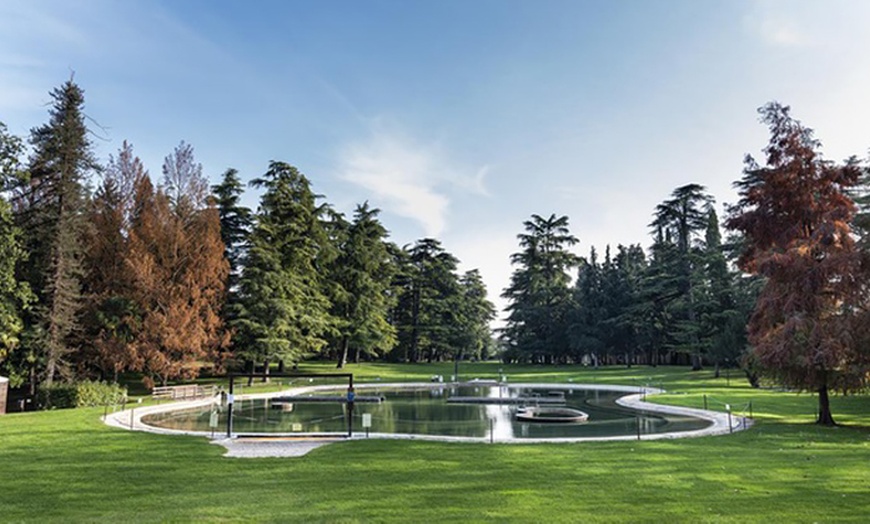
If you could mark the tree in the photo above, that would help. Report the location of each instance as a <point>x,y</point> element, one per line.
<point>178,272</point>
<point>112,318</point>
<point>475,314</point>
<point>682,218</point>
<point>538,292</point>
<point>364,271</point>
<point>236,223</point>
<point>50,207</point>
<point>183,182</point>
<point>795,213</point>
<point>15,296</point>
<point>284,314</point>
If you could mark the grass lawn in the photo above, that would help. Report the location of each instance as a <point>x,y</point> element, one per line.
<point>65,466</point>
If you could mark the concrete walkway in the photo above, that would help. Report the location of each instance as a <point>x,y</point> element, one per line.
<point>290,446</point>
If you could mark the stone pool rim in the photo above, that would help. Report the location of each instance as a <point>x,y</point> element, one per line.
<point>131,419</point>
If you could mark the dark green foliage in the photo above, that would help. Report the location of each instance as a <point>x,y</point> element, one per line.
<point>236,223</point>
<point>540,300</point>
<point>14,295</point>
<point>426,320</point>
<point>680,221</point>
<point>362,274</point>
<point>81,394</point>
<point>50,207</point>
<point>475,312</point>
<point>284,313</point>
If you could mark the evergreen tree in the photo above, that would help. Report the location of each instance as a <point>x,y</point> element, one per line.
<point>683,218</point>
<point>284,314</point>
<point>539,295</point>
<point>50,209</point>
<point>364,270</point>
<point>236,224</point>
<point>475,314</point>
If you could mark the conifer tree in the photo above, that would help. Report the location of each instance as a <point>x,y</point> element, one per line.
<point>538,292</point>
<point>284,314</point>
<point>364,270</point>
<point>112,317</point>
<point>808,329</point>
<point>50,208</point>
<point>178,272</point>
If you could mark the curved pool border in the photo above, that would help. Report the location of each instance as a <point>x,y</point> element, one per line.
<point>720,423</point>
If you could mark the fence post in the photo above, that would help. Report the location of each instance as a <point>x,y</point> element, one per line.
<point>638,427</point>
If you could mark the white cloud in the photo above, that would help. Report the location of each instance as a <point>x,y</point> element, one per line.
<point>407,178</point>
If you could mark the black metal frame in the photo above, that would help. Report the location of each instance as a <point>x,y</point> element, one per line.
<point>350,393</point>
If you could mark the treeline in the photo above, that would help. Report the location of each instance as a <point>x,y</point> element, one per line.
<point>105,271</point>
<point>786,296</point>
<point>684,303</point>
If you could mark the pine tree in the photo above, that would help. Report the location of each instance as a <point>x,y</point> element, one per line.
<point>50,210</point>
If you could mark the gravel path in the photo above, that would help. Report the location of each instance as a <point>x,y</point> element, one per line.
<point>275,447</point>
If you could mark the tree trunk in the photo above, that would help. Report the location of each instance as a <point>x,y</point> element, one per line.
<point>266,371</point>
<point>716,370</point>
<point>281,366</point>
<point>356,353</point>
<point>342,353</point>
<point>752,377</point>
<point>825,416</point>
<point>696,362</point>
<point>249,364</point>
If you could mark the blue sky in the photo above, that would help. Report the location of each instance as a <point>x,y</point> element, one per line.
<point>459,119</point>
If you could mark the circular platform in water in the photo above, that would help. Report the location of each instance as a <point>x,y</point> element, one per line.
<point>554,415</point>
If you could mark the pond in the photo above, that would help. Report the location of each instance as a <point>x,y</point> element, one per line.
<point>434,411</point>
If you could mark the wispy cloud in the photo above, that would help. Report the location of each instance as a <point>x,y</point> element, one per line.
<point>775,25</point>
<point>408,178</point>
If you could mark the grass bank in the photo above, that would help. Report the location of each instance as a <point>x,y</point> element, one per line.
<point>67,466</point>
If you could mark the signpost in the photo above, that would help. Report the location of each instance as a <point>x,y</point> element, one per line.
<point>367,422</point>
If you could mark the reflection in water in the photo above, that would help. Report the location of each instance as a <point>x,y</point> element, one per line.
<point>426,411</point>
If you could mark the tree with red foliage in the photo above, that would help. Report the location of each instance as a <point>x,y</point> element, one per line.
<point>795,214</point>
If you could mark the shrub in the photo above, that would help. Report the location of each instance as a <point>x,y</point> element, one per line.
<point>80,394</point>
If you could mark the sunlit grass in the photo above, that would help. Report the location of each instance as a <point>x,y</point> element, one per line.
<point>66,466</point>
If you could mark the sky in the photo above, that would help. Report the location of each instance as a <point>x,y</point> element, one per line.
<point>459,119</point>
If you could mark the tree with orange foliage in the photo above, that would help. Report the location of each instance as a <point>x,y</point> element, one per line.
<point>178,272</point>
<point>795,214</point>
<point>111,317</point>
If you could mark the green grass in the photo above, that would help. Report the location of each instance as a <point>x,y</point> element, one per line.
<point>67,466</point>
